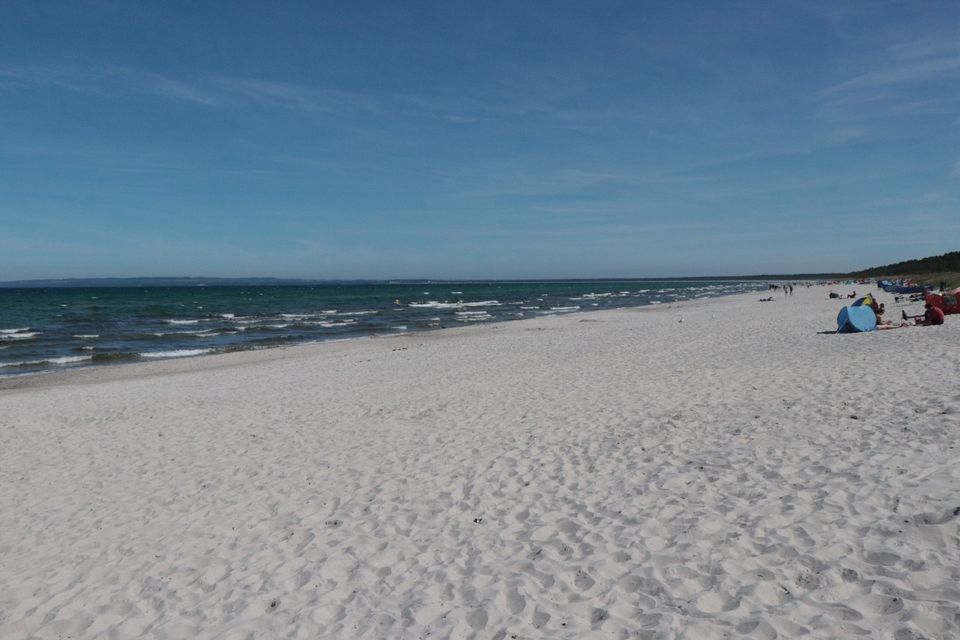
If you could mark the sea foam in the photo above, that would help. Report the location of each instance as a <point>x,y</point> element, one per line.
<point>175,353</point>
<point>9,331</point>
<point>433,304</point>
<point>60,361</point>
<point>20,336</point>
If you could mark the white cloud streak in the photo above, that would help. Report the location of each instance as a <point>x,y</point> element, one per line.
<point>908,62</point>
<point>893,74</point>
<point>909,79</point>
<point>100,79</point>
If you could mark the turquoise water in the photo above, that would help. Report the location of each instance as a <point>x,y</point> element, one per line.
<point>56,328</point>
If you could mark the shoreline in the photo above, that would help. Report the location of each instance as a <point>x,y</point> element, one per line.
<point>36,340</point>
<point>66,375</point>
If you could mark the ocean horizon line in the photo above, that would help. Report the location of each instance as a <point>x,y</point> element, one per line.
<point>192,281</point>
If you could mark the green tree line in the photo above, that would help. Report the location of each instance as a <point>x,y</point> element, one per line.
<point>948,262</point>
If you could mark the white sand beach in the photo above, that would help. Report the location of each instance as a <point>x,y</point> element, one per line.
<point>706,470</point>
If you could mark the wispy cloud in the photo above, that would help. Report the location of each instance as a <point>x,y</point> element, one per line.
<point>898,73</point>
<point>911,80</point>
<point>96,77</point>
<point>102,79</point>
<point>888,80</point>
<point>498,103</point>
<point>289,95</point>
<point>932,45</point>
<point>521,181</point>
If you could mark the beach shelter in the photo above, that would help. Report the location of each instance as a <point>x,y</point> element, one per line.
<point>865,301</point>
<point>856,319</point>
<point>911,288</point>
<point>948,302</point>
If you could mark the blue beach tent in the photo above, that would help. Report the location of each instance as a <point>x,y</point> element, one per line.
<point>909,289</point>
<point>856,319</point>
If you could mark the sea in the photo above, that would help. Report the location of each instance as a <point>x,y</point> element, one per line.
<point>45,329</point>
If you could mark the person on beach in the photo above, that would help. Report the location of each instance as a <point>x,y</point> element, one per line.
<point>932,316</point>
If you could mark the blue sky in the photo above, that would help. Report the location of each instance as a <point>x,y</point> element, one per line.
<point>475,139</point>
